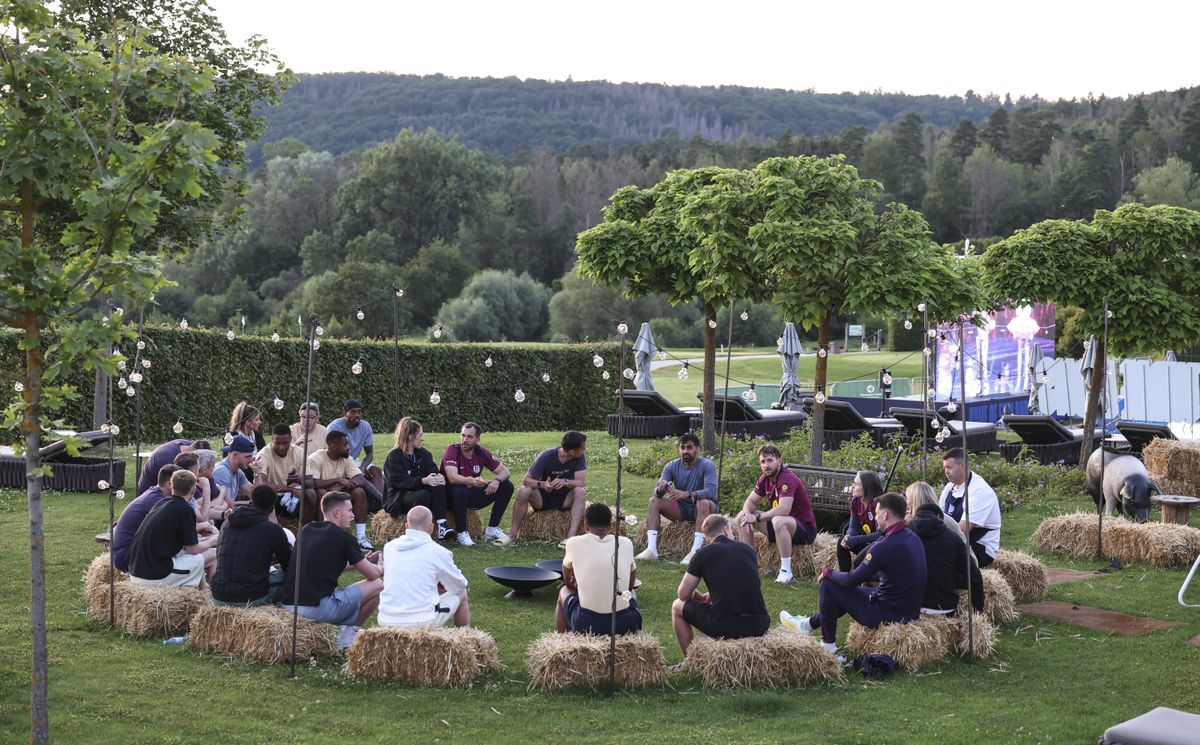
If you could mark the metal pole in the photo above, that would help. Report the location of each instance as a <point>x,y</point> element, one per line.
<point>724,405</point>
<point>396,350</point>
<point>295,562</point>
<point>112,457</point>
<point>925,397</point>
<point>612,632</point>
<point>962,386</point>
<point>1103,434</point>
<point>137,406</point>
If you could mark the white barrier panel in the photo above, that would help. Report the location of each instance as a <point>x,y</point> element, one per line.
<point>1161,391</point>
<point>1064,394</point>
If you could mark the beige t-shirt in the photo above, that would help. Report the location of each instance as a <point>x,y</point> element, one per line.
<point>275,469</point>
<point>317,442</point>
<point>592,560</point>
<point>321,467</point>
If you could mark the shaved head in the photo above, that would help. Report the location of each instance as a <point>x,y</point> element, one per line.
<point>420,518</point>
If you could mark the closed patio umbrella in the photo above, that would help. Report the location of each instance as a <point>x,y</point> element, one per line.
<point>1036,368</point>
<point>789,352</point>
<point>643,354</point>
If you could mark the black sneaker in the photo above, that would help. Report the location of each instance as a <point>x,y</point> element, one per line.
<point>444,533</point>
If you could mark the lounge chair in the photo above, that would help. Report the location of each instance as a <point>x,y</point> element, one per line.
<point>743,419</point>
<point>1139,434</point>
<point>981,436</point>
<point>843,423</point>
<point>68,472</point>
<point>1048,441</point>
<point>648,414</point>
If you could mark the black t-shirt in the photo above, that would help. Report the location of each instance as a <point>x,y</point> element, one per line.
<point>730,570</point>
<point>326,549</point>
<point>169,526</point>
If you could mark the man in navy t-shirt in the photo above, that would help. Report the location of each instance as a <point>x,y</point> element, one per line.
<point>554,482</point>
<point>790,518</point>
<point>134,513</point>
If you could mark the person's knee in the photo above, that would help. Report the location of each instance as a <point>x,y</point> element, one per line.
<point>704,508</point>
<point>677,608</point>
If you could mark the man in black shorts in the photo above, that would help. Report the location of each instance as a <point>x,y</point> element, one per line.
<point>555,481</point>
<point>733,607</point>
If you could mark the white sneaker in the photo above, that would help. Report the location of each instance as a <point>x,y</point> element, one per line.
<point>493,534</point>
<point>799,624</point>
<point>346,637</point>
<point>647,555</point>
<point>365,544</point>
<point>688,559</point>
<point>464,539</point>
<point>784,578</point>
<point>289,503</point>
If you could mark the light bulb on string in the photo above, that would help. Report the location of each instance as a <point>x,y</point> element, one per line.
<point>822,352</point>
<point>357,367</point>
<point>316,344</point>
<point>229,335</point>
<point>320,330</point>
<point>545,377</point>
<point>120,364</point>
<point>118,311</point>
<point>932,333</point>
<point>115,430</point>
<point>145,364</point>
<point>623,451</point>
<point>519,395</point>
<point>437,333</point>
<point>597,360</point>
<point>121,382</point>
<point>662,354</point>
<point>745,315</point>
<point>627,373</point>
<point>935,424</point>
<point>920,307</point>
<point>926,351</point>
<point>131,391</point>
<point>228,438</point>
<point>887,378</point>
<point>683,372</point>
<point>178,428</point>
<point>907,324</point>
<point>102,485</point>
<point>631,519</point>
<point>119,494</point>
<point>106,428</point>
<point>951,407</point>
<point>750,395</point>
<point>183,324</point>
<point>18,386</point>
<point>359,313</point>
<point>278,403</point>
<point>819,397</point>
<point>1108,314</point>
<point>779,342</point>
<point>712,323</point>
<point>399,292</point>
<point>940,436</point>
<point>866,347</point>
<point>141,345</point>
<point>604,375</point>
<point>1045,379</point>
<point>435,398</point>
<point>931,394</point>
<point>135,377</point>
<point>622,328</point>
<point>275,336</point>
<point>488,362</point>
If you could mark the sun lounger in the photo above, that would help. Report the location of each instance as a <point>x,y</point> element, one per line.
<point>981,436</point>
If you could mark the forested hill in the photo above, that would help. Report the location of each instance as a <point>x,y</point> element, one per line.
<point>337,112</point>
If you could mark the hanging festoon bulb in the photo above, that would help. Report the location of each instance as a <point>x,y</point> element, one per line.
<point>779,342</point>
<point>662,354</point>
<point>178,428</point>
<point>357,367</point>
<point>887,379</point>
<point>907,324</point>
<point>750,395</point>
<point>359,313</point>
<point>921,307</point>
<point>145,364</point>
<point>120,364</point>
<point>1045,379</point>
<point>399,291</point>
<point>131,391</point>
<point>931,394</point>
<point>519,395</point>
<point>622,328</point>
<point>1108,314</point>
<point>683,372</point>
<point>932,333</point>
<point>118,311</point>
<point>183,324</point>
<point>228,438</point>
<point>627,373</point>
<point>819,397</point>
<point>437,333</point>
<point>822,352</point>
<point>545,377</point>
<point>115,430</point>
<point>135,377</point>
<point>935,424</point>
<point>278,403</point>
<point>141,345</point>
<point>320,330</point>
<point>631,519</point>
<point>866,347</point>
<point>119,494</point>
<point>316,344</point>
<point>951,407</point>
<point>926,351</point>
<point>18,386</point>
<point>488,362</point>
<point>275,336</point>
<point>745,315</point>
<point>102,485</point>
<point>623,451</point>
<point>122,383</point>
<point>940,436</point>
<point>604,375</point>
<point>106,428</point>
<point>712,323</point>
<point>597,360</point>
<point>435,397</point>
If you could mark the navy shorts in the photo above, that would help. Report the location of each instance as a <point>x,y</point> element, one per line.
<point>553,500</point>
<point>805,534</point>
<point>583,621</point>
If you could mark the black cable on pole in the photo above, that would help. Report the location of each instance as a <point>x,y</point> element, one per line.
<point>724,405</point>
<point>962,386</point>
<point>396,350</point>
<point>927,403</point>
<point>612,633</point>
<point>295,562</point>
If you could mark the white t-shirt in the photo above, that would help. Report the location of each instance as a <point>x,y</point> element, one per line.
<point>592,560</point>
<point>984,508</point>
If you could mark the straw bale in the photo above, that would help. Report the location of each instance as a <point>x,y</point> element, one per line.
<point>1174,462</point>
<point>912,645</point>
<point>768,553</point>
<point>781,658</point>
<point>998,604</point>
<point>673,537</point>
<point>983,636</point>
<point>147,610</point>
<point>263,633</point>
<point>568,660</point>
<point>807,560</point>
<point>97,574</point>
<point>426,656</point>
<point>1025,574</point>
<point>1154,543</point>
<point>1072,534</point>
<point>384,527</point>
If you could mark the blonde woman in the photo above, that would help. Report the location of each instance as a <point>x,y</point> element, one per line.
<point>413,479</point>
<point>246,420</point>
<point>949,565</point>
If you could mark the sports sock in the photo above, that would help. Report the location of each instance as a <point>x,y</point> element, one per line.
<point>360,529</point>
<point>697,541</point>
<point>652,540</point>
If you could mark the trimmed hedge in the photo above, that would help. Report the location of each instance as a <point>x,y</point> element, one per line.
<point>200,375</point>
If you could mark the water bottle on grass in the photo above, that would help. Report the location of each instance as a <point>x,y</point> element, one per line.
<point>176,640</point>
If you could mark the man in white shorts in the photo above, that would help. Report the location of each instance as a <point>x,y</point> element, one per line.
<point>415,565</point>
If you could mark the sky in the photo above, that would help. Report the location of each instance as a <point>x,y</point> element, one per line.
<point>1052,48</point>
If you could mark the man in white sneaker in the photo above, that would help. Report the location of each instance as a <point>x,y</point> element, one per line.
<point>332,469</point>
<point>463,465</point>
<point>686,492</point>
<point>417,565</point>
<point>328,550</point>
<point>278,466</point>
<point>789,520</point>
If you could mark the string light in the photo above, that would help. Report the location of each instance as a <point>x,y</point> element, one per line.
<point>921,307</point>
<point>18,386</point>
<point>931,393</point>
<point>229,335</point>
<point>887,379</point>
<point>488,362</point>
<point>604,375</point>
<point>926,351</point>
<point>1045,379</point>
<point>316,344</point>
<point>935,424</point>
<point>822,352</point>
<point>178,428</point>
<point>115,430</point>
<point>320,330</point>
<point>399,292</point>
<point>951,407</point>
<point>118,311</point>
<point>683,371</point>
<point>435,398</point>
<point>145,364</point>
<point>627,373</point>
<point>932,333</point>
<point>545,377</point>
<point>631,519</point>
<point>866,347</point>
<point>779,342</point>
<point>819,397</point>
<point>750,395</point>
<point>135,377</point>
<point>121,383</point>
<point>277,403</point>
<point>275,336</point>
<point>662,354</point>
<point>183,324</point>
<point>131,391</point>
<point>745,315</point>
<point>359,314</point>
<point>437,333</point>
<point>1108,314</point>
<point>141,345</point>
<point>622,328</point>
<point>357,367</point>
<point>228,438</point>
<point>597,360</point>
<point>519,395</point>
<point>102,485</point>
<point>106,428</point>
<point>120,494</point>
<point>120,364</point>
<point>712,323</point>
<point>907,324</point>
<point>623,451</point>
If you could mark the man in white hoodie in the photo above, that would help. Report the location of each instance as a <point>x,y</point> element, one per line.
<point>416,566</point>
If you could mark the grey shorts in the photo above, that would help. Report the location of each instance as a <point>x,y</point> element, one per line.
<point>340,608</point>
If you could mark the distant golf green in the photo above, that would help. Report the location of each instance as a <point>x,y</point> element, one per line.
<point>767,371</point>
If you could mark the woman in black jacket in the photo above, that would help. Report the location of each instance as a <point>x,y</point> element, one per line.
<point>946,562</point>
<point>413,478</point>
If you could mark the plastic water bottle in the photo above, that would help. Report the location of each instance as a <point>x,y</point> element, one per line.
<point>176,640</point>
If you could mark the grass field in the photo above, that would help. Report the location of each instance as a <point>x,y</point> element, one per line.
<point>850,366</point>
<point>1047,683</point>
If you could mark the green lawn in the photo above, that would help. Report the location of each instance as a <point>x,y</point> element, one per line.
<point>1047,682</point>
<point>850,366</point>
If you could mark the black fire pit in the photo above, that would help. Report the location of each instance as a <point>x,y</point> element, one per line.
<point>522,580</point>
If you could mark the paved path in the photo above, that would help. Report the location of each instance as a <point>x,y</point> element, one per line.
<point>659,364</point>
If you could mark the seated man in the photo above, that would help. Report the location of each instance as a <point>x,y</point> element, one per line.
<point>199,500</point>
<point>982,524</point>
<point>585,602</point>
<point>250,543</point>
<point>166,550</point>
<point>686,491</point>
<point>229,476</point>
<point>219,501</point>
<point>361,439</point>
<point>789,520</point>
<point>278,466</point>
<point>328,551</point>
<point>462,465</point>
<point>554,482</point>
<point>134,513</point>
<point>309,429</point>
<point>159,457</point>
<point>897,560</point>
<point>733,607</point>
<point>416,566</point>
<point>332,471</point>
<point>947,567</point>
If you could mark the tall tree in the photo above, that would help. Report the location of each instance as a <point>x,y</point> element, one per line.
<point>1174,183</point>
<point>94,150</point>
<point>1140,260</point>
<point>964,140</point>
<point>1190,146</point>
<point>945,202</point>
<point>1033,131</point>
<point>995,131</point>
<point>907,133</point>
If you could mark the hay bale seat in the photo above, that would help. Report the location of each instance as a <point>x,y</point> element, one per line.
<point>807,560</point>
<point>384,527</point>
<point>999,607</point>
<point>1174,465</point>
<point>983,636</point>
<point>673,537</point>
<point>146,610</point>
<point>1158,544</point>
<point>426,656</point>
<point>97,574</point>
<point>551,525</point>
<point>912,645</point>
<point>263,633</point>
<point>558,661</point>
<point>779,659</point>
<point>1025,574</point>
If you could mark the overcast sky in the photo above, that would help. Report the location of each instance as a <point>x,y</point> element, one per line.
<point>1054,48</point>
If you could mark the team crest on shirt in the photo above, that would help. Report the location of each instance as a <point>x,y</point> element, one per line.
<point>476,469</point>
<point>868,557</point>
<point>783,487</point>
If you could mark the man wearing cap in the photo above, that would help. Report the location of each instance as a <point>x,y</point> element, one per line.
<point>309,429</point>
<point>228,473</point>
<point>278,466</point>
<point>361,439</point>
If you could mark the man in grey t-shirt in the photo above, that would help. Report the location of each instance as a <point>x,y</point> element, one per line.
<point>686,492</point>
<point>360,438</point>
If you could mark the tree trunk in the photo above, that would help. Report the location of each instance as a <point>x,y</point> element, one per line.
<point>99,393</point>
<point>710,365</point>
<point>31,430</point>
<point>1099,383</point>
<point>819,378</point>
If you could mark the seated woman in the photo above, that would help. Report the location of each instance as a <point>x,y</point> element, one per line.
<point>412,477</point>
<point>861,531</point>
<point>948,562</point>
<point>247,420</point>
